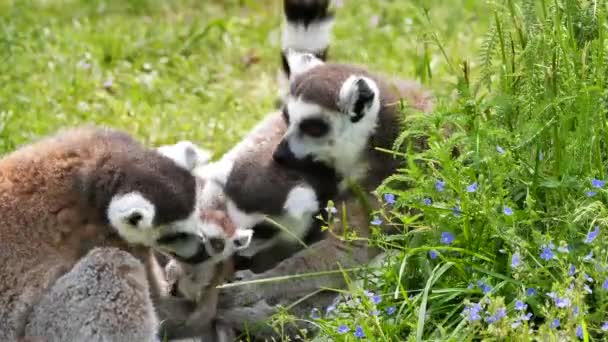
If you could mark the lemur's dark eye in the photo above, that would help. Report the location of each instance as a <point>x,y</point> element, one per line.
<point>315,128</point>
<point>285,114</point>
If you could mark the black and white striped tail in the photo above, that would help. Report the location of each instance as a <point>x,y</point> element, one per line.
<point>307,28</point>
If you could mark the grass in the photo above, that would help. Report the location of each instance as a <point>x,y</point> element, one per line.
<point>505,246</point>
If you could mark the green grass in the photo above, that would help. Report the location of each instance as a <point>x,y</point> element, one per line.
<point>522,84</point>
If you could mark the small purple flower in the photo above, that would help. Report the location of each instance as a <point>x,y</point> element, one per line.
<point>562,303</point>
<point>456,210</point>
<point>590,193</point>
<point>588,257</point>
<point>470,286</point>
<point>579,332</point>
<point>497,316</point>
<point>527,316</point>
<point>485,288</point>
<point>531,291</point>
<point>390,310</point>
<point>440,185</point>
<point>555,324</point>
<point>551,245</point>
<point>343,329</point>
<point>472,187</point>
<point>374,20</point>
<point>432,254</point>
<point>605,284</point>
<point>507,211</point>
<point>330,309</point>
<point>546,254</point>
<point>473,312</point>
<point>108,83</point>
<point>376,221</point>
<point>427,201</point>
<point>596,183</point>
<point>500,150</point>
<point>314,313</point>
<point>389,198</point>
<point>515,324</point>
<point>359,332</point>
<point>515,260</point>
<point>551,295</point>
<point>520,306</point>
<point>563,249</point>
<point>571,270</point>
<point>605,326</point>
<point>592,235</point>
<point>587,278</point>
<point>375,313</point>
<point>447,238</point>
<point>575,311</point>
<point>368,294</point>
<point>376,299</point>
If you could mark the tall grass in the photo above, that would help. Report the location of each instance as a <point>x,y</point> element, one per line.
<point>508,237</point>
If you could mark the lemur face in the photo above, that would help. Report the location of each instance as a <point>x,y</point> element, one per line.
<point>155,203</point>
<point>331,112</point>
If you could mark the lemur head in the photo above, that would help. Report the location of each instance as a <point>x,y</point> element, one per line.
<point>146,197</point>
<point>331,111</point>
<point>221,235</point>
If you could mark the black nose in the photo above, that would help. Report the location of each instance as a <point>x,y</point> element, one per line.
<point>217,244</point>
<point>282,154</point>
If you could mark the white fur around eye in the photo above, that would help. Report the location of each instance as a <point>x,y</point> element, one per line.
<point>122,207</point>
<point>242,239</point>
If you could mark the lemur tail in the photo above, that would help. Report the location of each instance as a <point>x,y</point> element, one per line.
<point>306,28</point>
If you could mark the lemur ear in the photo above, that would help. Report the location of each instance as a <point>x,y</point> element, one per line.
<point>359,96</point>
<point>186,154</point>
<point>131,210</point>
<point>300,62</point>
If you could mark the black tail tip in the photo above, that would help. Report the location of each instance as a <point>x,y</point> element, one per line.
<point>305,12</point>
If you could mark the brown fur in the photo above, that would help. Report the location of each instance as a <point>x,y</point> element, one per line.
<point>53,196</point>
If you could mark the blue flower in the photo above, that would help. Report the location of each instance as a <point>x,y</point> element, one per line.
<point>527,316</point>
<point>330,308</point>
<point>473,312</point>
<point>562,302</point>
<point>359,332</point>
<point>515,324</point>
<point>579,332</point>
<point>575,310</point>
<point>447,238</point>
<point>456,210</point>
<point>376,221</point>
<point>497,316</point>
<point>343,329</point>
<point>440,185</point>
<point>592,234</point>
<point>605,284</point>
<point>472,187</point>
<point>314,313</point>
<point>376,299</point>
<point>563,249</point>
<point>432,254</point>
<point>587,278</point>
<point>520,306</point>
<point>470,286</point>
<point>500,150</point>
<point>507,211</point>
<point>588,257</point>
<point>546,254</point>
<point>390,310</point>
<point>596,183</point>
<point>389,198</point>
<point>485,288</point>
<point>551,295</point>
<point>555,324</point>
<point>427,201</point>
<point>590,193</point>
<point>515,260</point>
<point>571,270</point>
<point>605,326</point>
<point>375,313</point>
<point>531,291</point>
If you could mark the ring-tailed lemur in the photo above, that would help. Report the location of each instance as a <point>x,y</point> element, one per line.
<point>79,212</point>
<point>336,117</point>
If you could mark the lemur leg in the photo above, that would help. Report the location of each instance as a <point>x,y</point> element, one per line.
<point>105,297</point>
